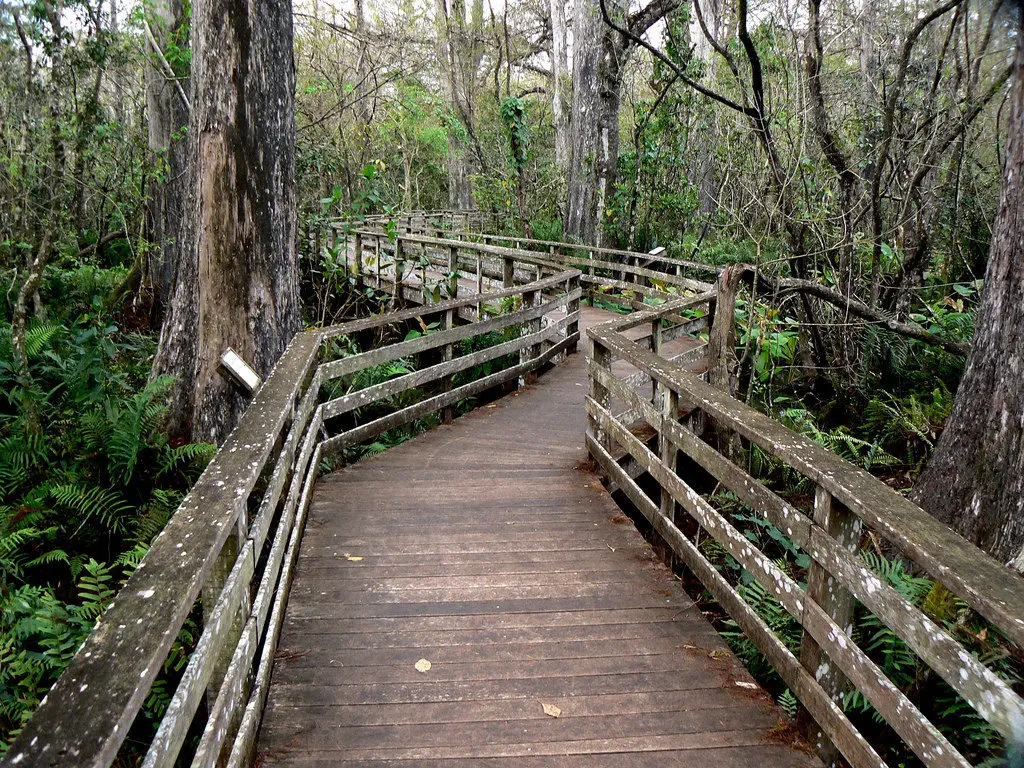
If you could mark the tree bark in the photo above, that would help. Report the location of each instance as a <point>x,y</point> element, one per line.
<point>560,87</point>
<point>975,480</point>
<point>580,213</point>
<point>237,280</point>
<point>600,52</point>
<point>705,28</point>
<point>167,112</point>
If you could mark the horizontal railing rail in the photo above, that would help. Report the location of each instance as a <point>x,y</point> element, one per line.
<point>848,502</point>
<point>230,549</point>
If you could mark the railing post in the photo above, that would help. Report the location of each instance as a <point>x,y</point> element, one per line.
<point>531,352</point>
<point>590,272</point>
<point>844,527</point>
<point>357,259</point>
<point>722,336</point>
<point>380,267</point>
<point>667,452</point>
<point>508,274</point>
<point>423,274</point>
<point>656,349</point>
<point>453,270</point>
<point>399,268</point>
<point>572,308</point>
<point>602,358</point>
<point>447,353</point>
<point>479,285</point>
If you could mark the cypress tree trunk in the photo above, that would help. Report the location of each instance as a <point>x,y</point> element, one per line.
<point>600,53</point>
<point>581,212</point>
<point>560,85</point>
<point>459,49</point>
<point>975,481</point>
<point>167,190</point>
<point>237,279</point>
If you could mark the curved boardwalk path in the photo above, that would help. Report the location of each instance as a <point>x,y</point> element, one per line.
<point>486,548</point>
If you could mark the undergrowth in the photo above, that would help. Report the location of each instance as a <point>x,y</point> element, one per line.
<point>87,480</point>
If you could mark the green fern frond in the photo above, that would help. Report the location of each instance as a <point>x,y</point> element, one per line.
<point>109,507</point>
<point>94,590</point>
<point>194,456</point>
<point>39,335</point>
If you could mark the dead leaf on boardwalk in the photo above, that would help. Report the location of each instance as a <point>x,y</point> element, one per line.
<point>551,710</point>
<point>422,666</point>
<point>353,558</point>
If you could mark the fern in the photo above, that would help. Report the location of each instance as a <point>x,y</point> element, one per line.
<point>109,507</point>
<point>39,335</point>
<point>94,590</point>
<point>134,422</point>
<point>839,440</point>
<point>189,455</point>
<point>21,534</point>
<point>789,703</point>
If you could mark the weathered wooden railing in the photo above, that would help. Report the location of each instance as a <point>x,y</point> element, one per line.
<point>677,405</point>
<point>230,549</point>
<point>620,277</point>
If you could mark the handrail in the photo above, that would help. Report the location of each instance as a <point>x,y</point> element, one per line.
<point>847,499</point>
<point>448,222</point>
<point>238,567</point>
<point>618,271</point>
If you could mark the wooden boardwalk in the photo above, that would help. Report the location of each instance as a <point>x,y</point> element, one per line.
<point>486,548</point>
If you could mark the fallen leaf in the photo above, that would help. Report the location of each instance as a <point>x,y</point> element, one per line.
<point>353,558</point>
<point>551,710</point>
<point>422,665</point>
<point>745,684</point>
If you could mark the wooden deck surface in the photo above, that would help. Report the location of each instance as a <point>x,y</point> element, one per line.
<point>486,548</point>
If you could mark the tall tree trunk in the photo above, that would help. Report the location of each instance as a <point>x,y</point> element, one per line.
<point>580,213</point>
<point>460,49</point>
<point>364,108</point>
<point>975,481</point>
<point>703,138</point>
<point>168,117</point>
<point>560,87</point>
<point>237,280</point>
<point>600,53</point>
